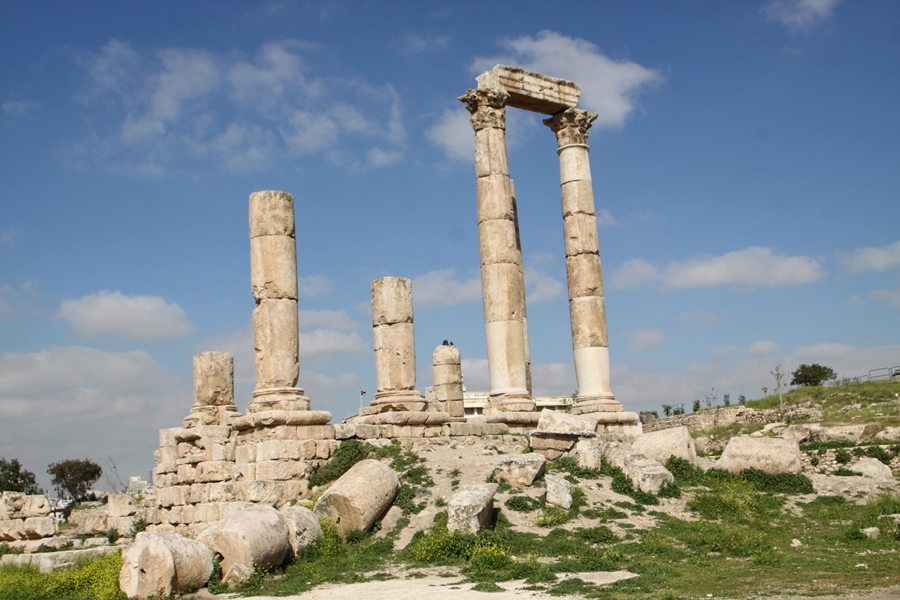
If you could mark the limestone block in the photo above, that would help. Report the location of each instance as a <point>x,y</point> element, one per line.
<point>395,357</point>
<point>122,524</point>
<point>12,529</point>
<point>34,506</point>
<point>590,315</point>
<point>772,455</point>
<point>245,454</point>
<point>275,336</point>
<point>368,432</point>
<point>584,275</point>
<point>271,213</point>
<point>94,523</point>
<point>191,454</point>
<point>494,194</point>
<point>213,379</point>
<point>164,564</point>
<point>283,450</point>
<point>502,293</point>
<point>490,153</point>
<point>660,445</point>
<point>244,472</point>
<point>326,448</point>
<point>236,576</point>
<point>174,496</point>
<point>186,474</point>
<point>646,474</point>
<point>227,509</point>
<point>588,454</point>
<point>208,512</point>
<point>167,437</point>
<point>121,505</point>
<point>559,491</point>
<point>344,431</point>
<point>166,454</point>
<point>279,470</point>
<point>470,508</point>
<point>175,515</point>
<point>273,267</point>
<point>532,91</point>
<point>560,422</point>
<point>616,452</point>
<point>499,242</point>
<point>520,469</point>
<point>257,537</point>
<point>465,429</point>
<point>223,452</point>
<point>580,232</point>
<point>214,470</point>
<point>360,496</point>
<point>577,196</point>
<point>874,468</point>
<point>303,526</point>
<point>392,301</point>
<point>260,492</point>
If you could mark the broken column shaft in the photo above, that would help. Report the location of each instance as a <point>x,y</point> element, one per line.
<point>395,345</point>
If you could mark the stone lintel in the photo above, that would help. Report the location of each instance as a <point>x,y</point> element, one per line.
<point>531,91</point>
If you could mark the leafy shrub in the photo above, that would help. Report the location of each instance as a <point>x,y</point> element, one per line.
<point>6,549</point>
<point>553,516</point>
<point>405,499</point>
<point>597,535</point>
<point>569,465</point>
<point>669,490</point>
<point>845,472</point>
<point>879,453</point>
<point>782,483</point>
<point>348,454</point>
<point>138,525</point>
<point>525,504</point>
<point>842,456</point>
<point>112,535</point>
<point>96,579</point>
<point>685,473</point>
<point>814,461</point>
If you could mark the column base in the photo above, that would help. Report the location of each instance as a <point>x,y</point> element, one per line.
<point>395,400</point>
<point>210,415</point>
<point>504,402</point>
<point>597,404</point>
<point>278,399</point>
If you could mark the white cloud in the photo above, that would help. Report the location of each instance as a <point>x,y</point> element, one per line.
<point>476,375</point>
<point>244,147</point>
<point>76,402</point>
<point>417,43</point>
<point>756,266</point>
<point>605,218</point>
<point>540,287</point>
<point>762,348</point>
<point>324,343</point>
<point>799,15</point>
<point>19,108</point>
<point>890,297</point>
<point>314,285</point>
<point>338,320</point>
<point>608,87</point>
<point>9,236</point>
<point>454,134</point>
<point>632,274</point>
<point>702,316</point>
<point>553,379</point>
<point>645,339</point>
<point>148,318</point>
<point>277,72</point>
<point>437,288</point>
<point>872,259</point>
<point>377,157</point>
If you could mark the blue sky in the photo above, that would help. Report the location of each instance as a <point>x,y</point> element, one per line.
<point>746,167</point>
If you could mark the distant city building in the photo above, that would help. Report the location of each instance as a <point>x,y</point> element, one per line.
<point>136,485</point>
<point>474,403</point>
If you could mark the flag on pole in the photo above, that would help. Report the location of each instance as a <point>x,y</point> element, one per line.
<point>362,393</point>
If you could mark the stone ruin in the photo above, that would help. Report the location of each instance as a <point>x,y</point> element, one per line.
<point>221,461</point>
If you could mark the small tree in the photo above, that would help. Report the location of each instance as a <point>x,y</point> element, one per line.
<point>696,405</point>
<point>74,477</point>
<point>779,376</point>
<point>13,478</point>
<point>711,398</point>
<point>742,399</point>
<point>813,374</point>
<point>667,409</point>
<point>726,399</point>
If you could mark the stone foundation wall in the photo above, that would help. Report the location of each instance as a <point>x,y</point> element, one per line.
<point>722,417</point>
<point>828,464</point>
<point>25,517</point>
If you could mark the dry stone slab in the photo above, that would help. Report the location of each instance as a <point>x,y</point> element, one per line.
<point>257,537</point>
<point>560,422</point>
<point>94,522</point>
<point>559,491</point>
<point>121,505</point>
<point>646,474</point>
<point>660,445</point>
<point>40,527</point>
<point>470,508</point>
<point>360,496</point>
<point>772,455</point>
<point>164,564</point>
<point>874,468</point>
<point>588,454</point>
<point>304,527</point>
<point>520,469</point>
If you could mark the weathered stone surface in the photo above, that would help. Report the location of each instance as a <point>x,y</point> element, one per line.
<point>12,529</point>
<point>560,422</point>
<point>271,213</point>
<point>395,357</point>
<point>40,527</point>
<point>588,454</point>
<point>392,301</point>
<point>772,455</point>
<point>531,91</point>
<point>646,474</point>
<point>237,575</point>
<point>93,523</point>
<point>360,496</point>
<point>874,468</point>
<point>213,379</point>
<point>257,537</point>
<point>34,506</point>
<point>164,564</point>
<point>616,453</point>
<point>559,491</point>
<point>660,445</point>
<point>873,533</point>
<point>448,380</point>
<point>275,337</point>
<point>470,508</point>
<point>273,267</point>
<point>303,525</point>
<point>121,505</point>
<point>520,469</point>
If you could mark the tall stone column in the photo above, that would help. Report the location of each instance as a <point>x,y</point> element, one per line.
<point>395,346</point>
<point>587,308</point>
<point>273,279</point>
<point>502,284</point>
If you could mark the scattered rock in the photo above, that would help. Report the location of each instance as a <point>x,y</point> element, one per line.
<point>772,455</point>
<point>588,454</point>
<point>164,564</point>
<point>236,575</point>
<point>874,468</point>
<point>559,491</point>
<point>795,543</point>
<point>660,445</point>
<point>647,474</point>
<point>303,527</point>
<point>257,537</point>
<point>470,508</point>
<point>873,533</point>
<point>520,469</point>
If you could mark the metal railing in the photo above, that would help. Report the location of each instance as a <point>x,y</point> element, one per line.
<point>884,373</point>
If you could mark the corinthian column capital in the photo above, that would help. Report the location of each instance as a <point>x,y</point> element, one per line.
<point>571,126</point>
<point>488,107</point>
